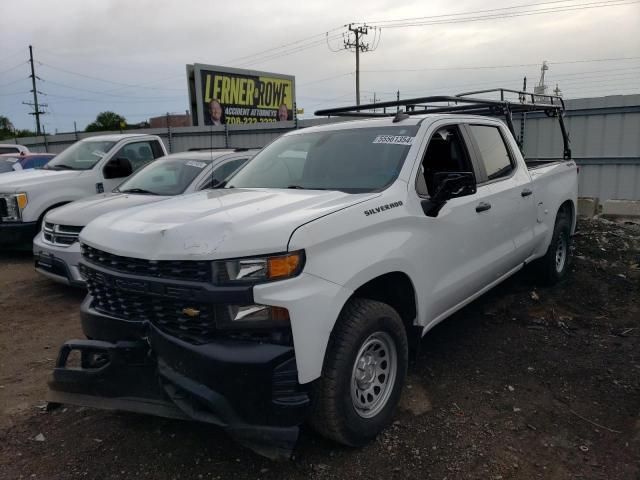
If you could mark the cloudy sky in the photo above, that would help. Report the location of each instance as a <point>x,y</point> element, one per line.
<point>129,56</point>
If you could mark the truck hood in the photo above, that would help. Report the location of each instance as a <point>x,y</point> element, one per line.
<point>216,224</point>
<point>81,212</point>
<point>23,180</point>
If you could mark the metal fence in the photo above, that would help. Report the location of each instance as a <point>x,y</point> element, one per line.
<point>605,140</point>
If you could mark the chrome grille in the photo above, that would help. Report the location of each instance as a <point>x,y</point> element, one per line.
<point>62,235</point>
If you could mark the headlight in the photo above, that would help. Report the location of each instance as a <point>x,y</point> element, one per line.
<point>258,269</point>
<point>14,203</point>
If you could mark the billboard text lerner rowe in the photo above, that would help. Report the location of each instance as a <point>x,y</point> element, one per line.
<point>232,96</point>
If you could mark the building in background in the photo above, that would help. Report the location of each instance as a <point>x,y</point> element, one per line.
<point>171,120</point>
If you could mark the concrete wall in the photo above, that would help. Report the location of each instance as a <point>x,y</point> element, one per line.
<point>605,140</point>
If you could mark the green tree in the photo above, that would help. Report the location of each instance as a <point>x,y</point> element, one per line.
<point>6,127</point>
<point>107,121</point>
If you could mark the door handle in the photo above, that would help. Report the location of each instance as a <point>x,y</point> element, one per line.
<point>526,192</point>
<point>483,206</point>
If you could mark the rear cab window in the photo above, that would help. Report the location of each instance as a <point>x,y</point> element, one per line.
<point>493,153</point>
<point>9,150</point>
<point>140,153</point>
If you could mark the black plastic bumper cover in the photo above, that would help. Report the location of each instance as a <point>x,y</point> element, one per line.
<point>18,234</point>
<point>249,389</point>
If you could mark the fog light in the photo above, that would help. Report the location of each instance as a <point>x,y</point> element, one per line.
<point>254,316</point>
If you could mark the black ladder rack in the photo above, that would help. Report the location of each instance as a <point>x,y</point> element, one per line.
<point>524,102</point>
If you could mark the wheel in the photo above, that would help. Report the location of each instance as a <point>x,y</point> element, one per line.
<point>553,267</point>
<point>363,374</point>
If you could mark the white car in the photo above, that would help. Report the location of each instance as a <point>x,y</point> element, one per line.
<point>13,148</point>
<point>89,166</point>
<point>296,292</point>
<point>56,249</point>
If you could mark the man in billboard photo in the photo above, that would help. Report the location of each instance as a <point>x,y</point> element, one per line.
<point>215,115</point>
<point>283,113</point>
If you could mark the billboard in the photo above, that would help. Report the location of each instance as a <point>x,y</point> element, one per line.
<point>228,96</point>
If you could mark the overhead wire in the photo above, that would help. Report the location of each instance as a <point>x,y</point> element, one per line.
<point>14,67</point>
<point>419,21</point>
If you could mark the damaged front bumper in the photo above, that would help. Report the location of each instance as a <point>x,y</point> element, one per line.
<point>249,389</point>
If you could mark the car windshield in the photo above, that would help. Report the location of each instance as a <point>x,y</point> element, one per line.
<point>351,160</point>
<point>166,176</point>
<point>81,155</point>
<point>9,164</point>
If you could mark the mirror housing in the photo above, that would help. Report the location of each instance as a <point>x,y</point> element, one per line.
<point>449,185</point>
<point>117,168</point>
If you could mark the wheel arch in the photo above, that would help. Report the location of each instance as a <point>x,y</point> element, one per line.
<point>397,290</point>
<point>48,209</point>
<point>568,208</point>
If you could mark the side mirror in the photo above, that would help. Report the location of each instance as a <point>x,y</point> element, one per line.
<point>118,168</point>
<point>449,185</point>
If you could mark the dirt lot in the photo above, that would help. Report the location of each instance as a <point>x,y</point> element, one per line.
<point>526,382</point>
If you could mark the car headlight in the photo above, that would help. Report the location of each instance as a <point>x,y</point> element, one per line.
<point>14,203</point>
<point>258,269</point>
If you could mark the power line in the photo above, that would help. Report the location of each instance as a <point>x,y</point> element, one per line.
<point>14,81</point>
<point>564,8</point>
<point>291,51</point>
<point>474,12</point>
<point>71,72</point>
<point>488,67</point>
<point>295,42</point>
<point>14,93</point>
<point>14,67</point>
<point>104,92</point>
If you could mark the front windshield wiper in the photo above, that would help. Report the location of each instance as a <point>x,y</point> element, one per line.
<point>299,187</point>
<point>60,166</point>
<point>137,190</point>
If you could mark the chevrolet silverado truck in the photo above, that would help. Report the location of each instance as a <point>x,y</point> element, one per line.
<point>297,292</point>
<point>89,166</point>
<point>56,250</point>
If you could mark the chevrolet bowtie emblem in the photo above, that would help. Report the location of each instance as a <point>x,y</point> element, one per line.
<point>191,312</point>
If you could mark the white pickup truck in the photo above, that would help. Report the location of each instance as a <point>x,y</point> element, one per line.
<point>56,250</point>
<point>89,166</point>
<point>298,291</point>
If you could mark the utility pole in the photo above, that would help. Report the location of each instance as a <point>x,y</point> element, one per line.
<point>36,108</point>
<point>356,43</point>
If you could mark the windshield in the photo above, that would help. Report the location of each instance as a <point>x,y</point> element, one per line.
<point>81,155</point>
<point>166,176</point>
<point>351,160</point>
<point>9,164</point>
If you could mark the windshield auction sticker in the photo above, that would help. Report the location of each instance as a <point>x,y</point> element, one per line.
<point>393,139</point>
<point>193,163</point>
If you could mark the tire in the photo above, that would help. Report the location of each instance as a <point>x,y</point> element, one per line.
<point>553,267</point>
<point>352,405</point>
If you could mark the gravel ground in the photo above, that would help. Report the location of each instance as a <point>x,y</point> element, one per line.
<point>524,383</point>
